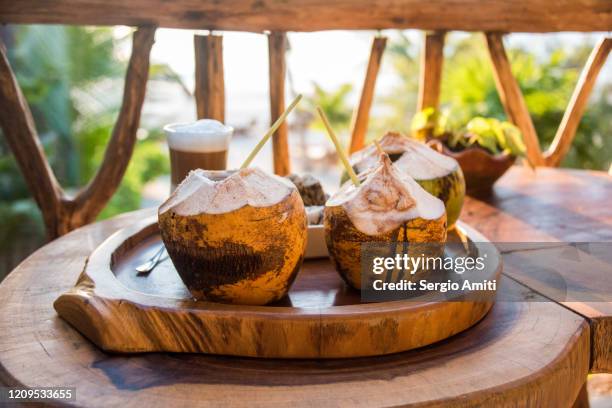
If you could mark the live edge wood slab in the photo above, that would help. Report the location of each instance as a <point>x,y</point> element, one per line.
<point>121,311</point>
<point>520,354</point>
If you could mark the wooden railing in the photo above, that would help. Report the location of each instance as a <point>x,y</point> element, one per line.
<point>62,213</point>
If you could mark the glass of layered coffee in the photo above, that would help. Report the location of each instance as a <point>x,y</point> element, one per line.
<point>198,145</point>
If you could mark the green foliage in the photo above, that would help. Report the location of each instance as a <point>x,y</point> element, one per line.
<point>494,135</point>
<point>333,103</point>
<point>149,162</point>
<point>22,232</point>
<point>427,123</point>
<point>468,90</point>
<point>72,81</point>
<point>547,82</point>
<point>49,62</point>
<point>489,133</point>
<point>512,139</point>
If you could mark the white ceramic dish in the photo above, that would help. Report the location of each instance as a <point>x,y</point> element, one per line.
<point>315,246</point>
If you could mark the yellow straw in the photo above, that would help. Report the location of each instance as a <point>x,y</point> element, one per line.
<point>341,153</point>
<point>273,129</point>
<point>380,150</point>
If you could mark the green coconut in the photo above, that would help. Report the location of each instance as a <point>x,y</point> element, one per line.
<point>438,174</point>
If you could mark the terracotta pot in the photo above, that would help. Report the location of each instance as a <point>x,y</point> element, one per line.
<point>480,168</point>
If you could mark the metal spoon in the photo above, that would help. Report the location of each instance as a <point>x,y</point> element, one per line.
<point>155,260</point>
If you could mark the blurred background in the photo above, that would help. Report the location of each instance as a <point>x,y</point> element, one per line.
<point>72,78</point>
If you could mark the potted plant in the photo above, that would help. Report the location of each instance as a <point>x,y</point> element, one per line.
<point>485,147</point>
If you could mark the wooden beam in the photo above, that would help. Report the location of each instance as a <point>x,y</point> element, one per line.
<point>512,98</point>
<point>432,59</point>
<point>20,133</point>
<point>277,46</point>
<point>578,103</point>
<point>60,212</point>
<point>209,81</point>
<point>315,15</point>
<point>361,115</point>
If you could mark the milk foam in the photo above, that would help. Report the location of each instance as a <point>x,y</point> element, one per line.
<point>386,199</point>
<point>205,135</point>
<point>199,193</point>
<point>417,159</point>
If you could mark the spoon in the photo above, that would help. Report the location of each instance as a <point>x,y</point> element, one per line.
<point>155,260</point>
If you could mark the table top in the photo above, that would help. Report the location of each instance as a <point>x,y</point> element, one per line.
<point>523,352</point>
<point>549,206</point>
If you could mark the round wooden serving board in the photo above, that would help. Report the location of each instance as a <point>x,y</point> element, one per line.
<point>122,311</point>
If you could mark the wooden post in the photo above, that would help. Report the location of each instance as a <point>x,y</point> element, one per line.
<point>512,98</point>
<point>209,80</point>
<point>361,115</point>
<point>432,59</point>
<point>60,212</point>
<point>277,46</point>
<point>578,103</point>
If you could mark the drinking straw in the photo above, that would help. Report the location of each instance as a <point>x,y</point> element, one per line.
<point>341,153</point>
<point>270,131</point>
<point>380,149</point>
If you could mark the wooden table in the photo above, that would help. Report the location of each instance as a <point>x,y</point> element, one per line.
<point>522,353</point>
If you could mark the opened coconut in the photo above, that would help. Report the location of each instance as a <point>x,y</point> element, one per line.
<point>235,237</point>
<point>387,207</point>
<point>440,175</point>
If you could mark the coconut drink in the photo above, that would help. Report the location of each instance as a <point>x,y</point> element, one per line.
<point>386,206</point>
<point>235,237</point>
<point>440,175</point>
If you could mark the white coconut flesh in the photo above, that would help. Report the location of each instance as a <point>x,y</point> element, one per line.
<point>385,200</point>
<point>417,159</point>
<point>199,193</point>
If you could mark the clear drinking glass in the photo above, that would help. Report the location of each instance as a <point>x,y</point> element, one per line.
<point>198,145</point>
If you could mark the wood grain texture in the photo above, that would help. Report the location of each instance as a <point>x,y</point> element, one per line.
<point>578,277</point>
<point>20,133</point>
<point>551,206</point>
<point>361,115</point>
<point>512,97</point>
<point>432,59</point>
<point>578,103</point>
<point>209,78</point>
<point>277,47</point>
<point>582,401</point>
<point>521,354</point>
<point>163,317</point>
<point>314,15</point>
<point>601,327</point>
<point>62,213</point>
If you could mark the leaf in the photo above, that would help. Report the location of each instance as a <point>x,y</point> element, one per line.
<point>424,123</point>
<point>495,126</point>
<point>483,131</point>
<point>514,139</point>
